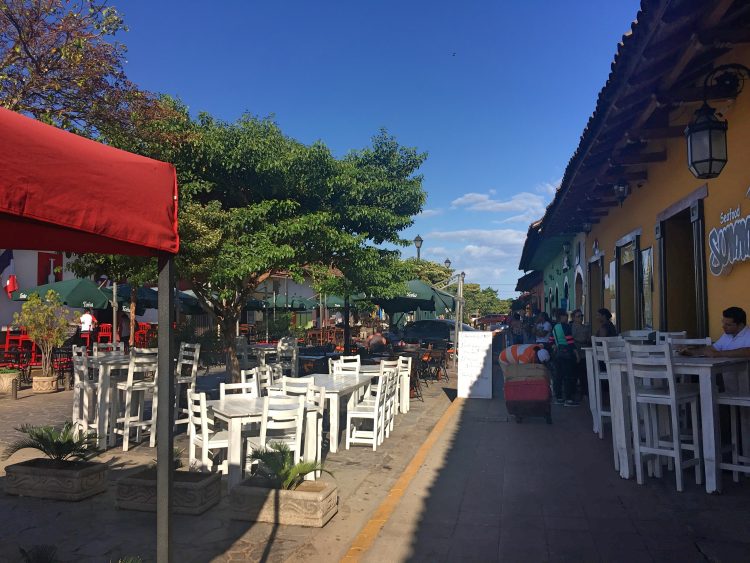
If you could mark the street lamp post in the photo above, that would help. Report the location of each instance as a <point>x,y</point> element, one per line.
<point>447,263</point>
<point>418,243</point>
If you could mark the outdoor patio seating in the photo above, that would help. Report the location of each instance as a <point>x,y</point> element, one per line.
<point>599,377</point>
<point>84,390</point>
<point>202,433</point>
<point>404,370</point>
<point>662,337</point>
<point>287,354</point>
<point>370,410</point>
<point>297,386</point>
<point>101,348</point>
<point>740,458</point>
<point>130,395</point>
<point>104,334</point>
<point>248,388</point>
<point>282,421</point>
<point>652,384</point>
<point>186,373</point>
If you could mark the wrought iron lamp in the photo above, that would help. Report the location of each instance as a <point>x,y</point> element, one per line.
<point>566,247</point>
<point>621,190</point>
<point>447,263</point>
<point>418,243</point>
<point>706,134</point>
<point>586,227</point>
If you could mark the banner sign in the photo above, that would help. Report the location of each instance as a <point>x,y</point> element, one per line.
<point>729,243</point>
<point>475,365</point>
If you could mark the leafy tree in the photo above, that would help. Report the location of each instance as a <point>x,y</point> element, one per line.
<point>60,63</point>
<point>46,321</point>
<point>427,271</point>
<point>255,203</point>
<point>481,301</point>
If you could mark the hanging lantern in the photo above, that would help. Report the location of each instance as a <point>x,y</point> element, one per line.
<point>621,190</point>
<point>706,143</point>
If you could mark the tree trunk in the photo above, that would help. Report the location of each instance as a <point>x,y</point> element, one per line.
<point>133,302</point>
<point>228,324</point>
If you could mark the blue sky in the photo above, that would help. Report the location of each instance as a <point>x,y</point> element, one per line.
<point>497,93</point>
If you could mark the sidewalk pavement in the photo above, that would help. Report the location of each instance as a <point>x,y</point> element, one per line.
<point>495,490</point>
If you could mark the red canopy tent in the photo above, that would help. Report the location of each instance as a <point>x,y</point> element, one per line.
<point>64,191</point>
<point>59,191</point>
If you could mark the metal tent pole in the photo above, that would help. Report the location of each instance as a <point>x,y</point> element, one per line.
<point>165,415</point>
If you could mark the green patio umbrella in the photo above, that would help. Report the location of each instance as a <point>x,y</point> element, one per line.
<point>293,302</point>
<point>76,293</point>
<point>419,296</point>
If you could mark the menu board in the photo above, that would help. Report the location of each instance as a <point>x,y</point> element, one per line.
<point>475,365</point>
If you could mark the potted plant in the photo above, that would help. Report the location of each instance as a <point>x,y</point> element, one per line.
<point>277,492</point>
<point>193,492</point>
<point>7,375</point>
<point>65,474</point>
<point>46,322</point>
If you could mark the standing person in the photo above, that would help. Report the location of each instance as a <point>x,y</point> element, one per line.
<point>88,321</point>
<point>606,326</point>
<point>564,381</point>
<point>376,343</point>
<point>582,338</point>
<point>516,329</point>
<point>528,322</point>
<point>543,328</point>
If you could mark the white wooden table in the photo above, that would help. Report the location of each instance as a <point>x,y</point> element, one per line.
<point>706,369</point>
<point>236,411</point>
<point>338,386</point>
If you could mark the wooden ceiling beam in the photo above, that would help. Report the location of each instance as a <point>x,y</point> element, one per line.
<point>726,37</point>
<point>638,159</point>
<point>653,133</point>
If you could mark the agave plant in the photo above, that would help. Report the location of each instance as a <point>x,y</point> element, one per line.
<point>58,444</point>
<point>276,463</point>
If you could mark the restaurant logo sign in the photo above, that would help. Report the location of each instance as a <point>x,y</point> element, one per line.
<point>730,242</point>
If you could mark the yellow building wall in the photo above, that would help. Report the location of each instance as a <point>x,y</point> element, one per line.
<point>670,181</point>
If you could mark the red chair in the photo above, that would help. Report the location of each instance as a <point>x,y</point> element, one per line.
<point>86,337</point>
<point>105,333</point>
<point>141,338</point>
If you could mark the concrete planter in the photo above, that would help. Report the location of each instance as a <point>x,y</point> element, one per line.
<point>6,380</point>
<point>193,492</point>
<point>43,383</point>
<point>311,504</point>
<point>61,480</point>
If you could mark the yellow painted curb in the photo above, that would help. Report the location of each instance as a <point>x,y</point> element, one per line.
<point>371,529</point>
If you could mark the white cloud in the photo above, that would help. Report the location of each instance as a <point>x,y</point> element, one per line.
<point>518,202</point>
<point>548,188</point>
<point>491,237</point>
<point>431,212</point>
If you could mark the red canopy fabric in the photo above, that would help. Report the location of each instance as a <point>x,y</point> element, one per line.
<point>64,192</point>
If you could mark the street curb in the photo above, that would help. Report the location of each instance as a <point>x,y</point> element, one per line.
<point>369,532</point>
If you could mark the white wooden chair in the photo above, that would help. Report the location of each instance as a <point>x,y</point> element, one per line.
<point>740,458</point>
<point>652,384</point>
<point>202,433</point>
<point>248,389</point>
<point>186,373</point>
<point>390,404</point>
<point>614,349</point>
<point>404,387</point>
<point>287,352</point>
<point>143,376</point>
<point>662,337</point>
<point>101,348</point>
<point>84,390</point>
<point>294,386</point>
<point>282,421</point>
<point>680,341</point>
<point>368,410</point>
<point>600,375</point>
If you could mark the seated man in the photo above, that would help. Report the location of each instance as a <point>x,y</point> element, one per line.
<point>376,342</point>
<point>734,343</point>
